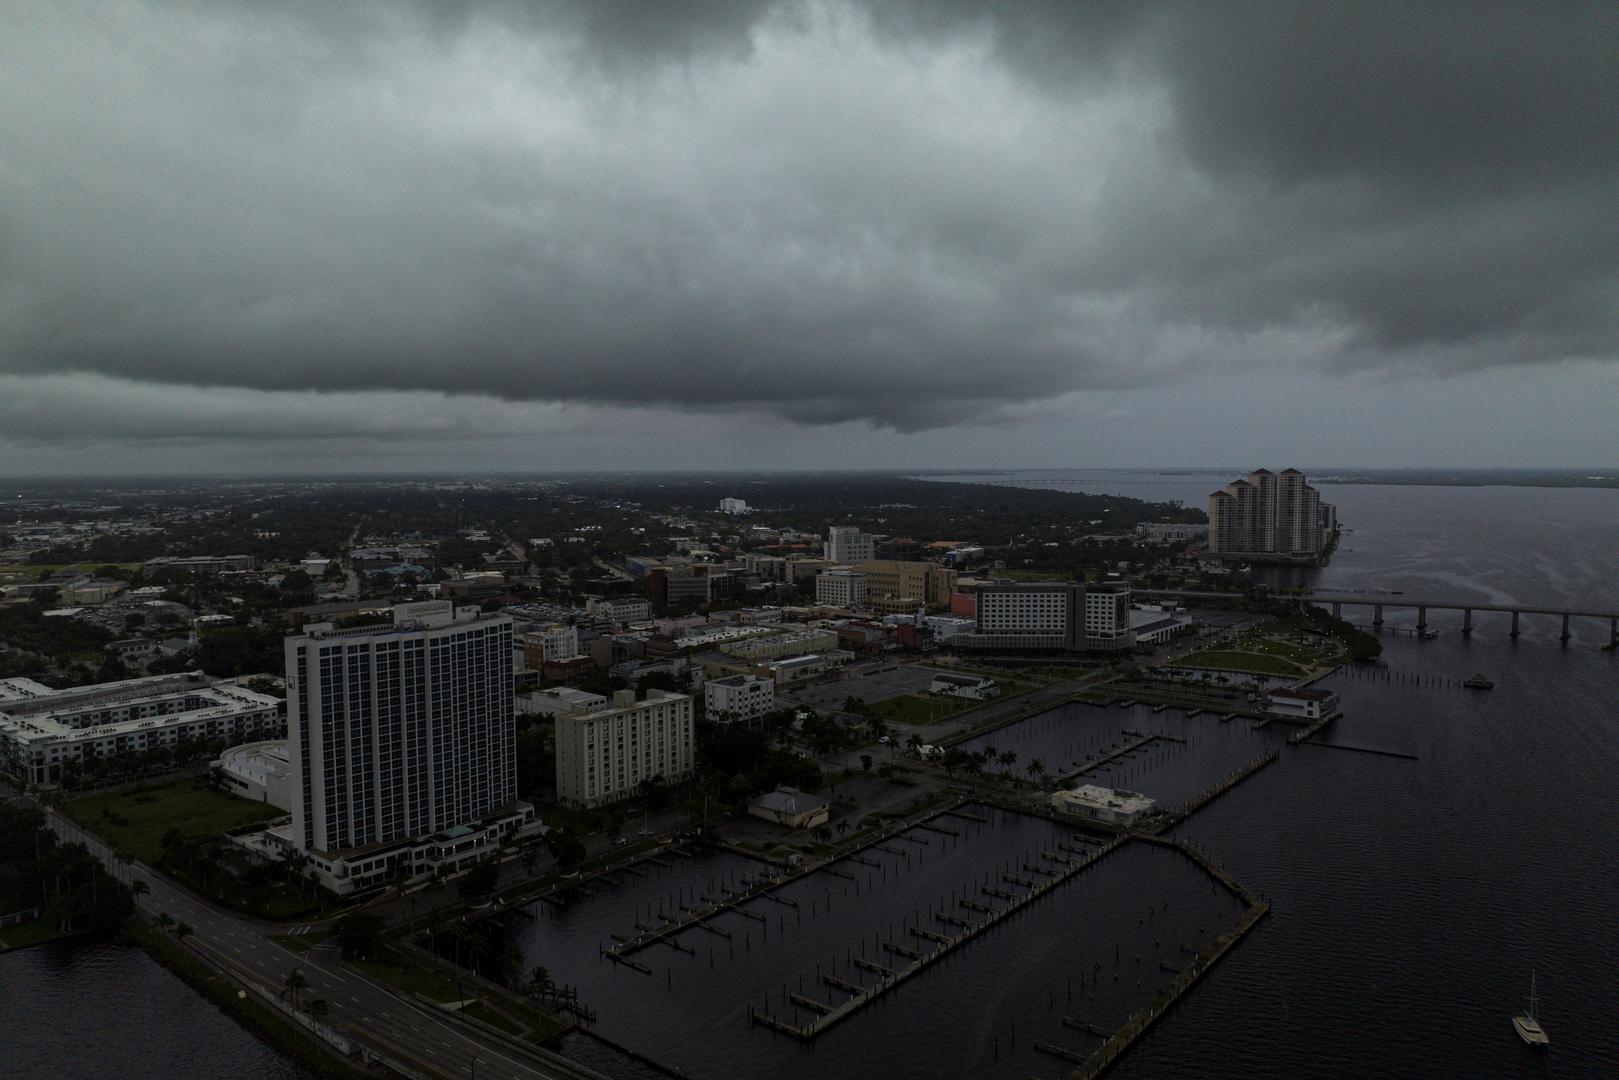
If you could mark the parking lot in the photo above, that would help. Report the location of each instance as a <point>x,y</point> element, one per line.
<point>878,686</point>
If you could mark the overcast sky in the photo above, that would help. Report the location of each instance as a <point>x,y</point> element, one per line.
<point>328,237</point>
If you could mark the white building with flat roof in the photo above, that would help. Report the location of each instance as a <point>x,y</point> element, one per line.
<point>738,698</point>
<point>261,771</point>
<point>1109,805</point>
<point>734,506</point>
<point>847,544</point>
<point>842,588</point>
<point>41,729</point>
<point>605,755</point>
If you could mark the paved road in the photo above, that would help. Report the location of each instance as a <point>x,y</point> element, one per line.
<point>429,1040</point>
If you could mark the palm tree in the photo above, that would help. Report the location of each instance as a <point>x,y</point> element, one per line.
<point>139,887</point>
<point>844,827</point>
<point>1036,767</point>
<point>539,980</point>
<point>1008,759</point>
<point>293,983</point>
<point>318,1008</point>
<point>182,930</point>
<point>164,920</point>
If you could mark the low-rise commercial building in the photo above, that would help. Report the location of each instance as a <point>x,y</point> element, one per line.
<point>1307,704</point>
<point>605,755</point>
<point>953,684</point>
<point>792,808</point>
<point>1108,805</point>
<point>202,564</point>
<point>261,771</point>
<point>777,645</point>
<point>622,609</point>
<point>738,698</point>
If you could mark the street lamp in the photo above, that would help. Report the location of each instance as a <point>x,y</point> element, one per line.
<point>473,1075</point>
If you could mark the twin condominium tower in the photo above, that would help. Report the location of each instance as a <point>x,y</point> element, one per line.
<point>1269,517</point>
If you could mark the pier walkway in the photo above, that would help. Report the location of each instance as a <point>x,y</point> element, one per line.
<point>947,943</point>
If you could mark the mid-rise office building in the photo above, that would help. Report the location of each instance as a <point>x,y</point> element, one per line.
<point>549,644</point>
<point>841,588</point>
<point>1267,517</point>
<point>1050,616</point>
<point>847,544</point>
<point>738,699</point>
<point>733,506</point>
<point>897,587</point>
<point>605,754</point>
<point>402,743</point>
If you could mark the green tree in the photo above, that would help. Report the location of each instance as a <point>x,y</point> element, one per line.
<point>359,936</point>
<point>292,985</point>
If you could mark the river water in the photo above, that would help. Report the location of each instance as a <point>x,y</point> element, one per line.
<point>1410,898</point>
<point>87,1011</point>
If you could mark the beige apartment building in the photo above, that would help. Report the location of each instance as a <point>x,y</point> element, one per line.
<point>606,752</point>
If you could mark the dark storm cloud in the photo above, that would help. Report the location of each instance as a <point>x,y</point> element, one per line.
<point>911,214</point>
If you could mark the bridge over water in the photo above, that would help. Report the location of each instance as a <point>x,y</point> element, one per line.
<point>1379,601</point>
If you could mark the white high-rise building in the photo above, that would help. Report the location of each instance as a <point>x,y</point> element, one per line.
<point>402,731</point>
<point>604,755</point>
<point>734,506</point>
<point>847,544</point>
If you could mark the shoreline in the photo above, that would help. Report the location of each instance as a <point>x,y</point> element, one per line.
<point>218,989</point>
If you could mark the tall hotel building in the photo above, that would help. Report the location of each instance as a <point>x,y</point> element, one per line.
<point>402,744</point>
<point>1044,616</point>
<point>1267,517</point>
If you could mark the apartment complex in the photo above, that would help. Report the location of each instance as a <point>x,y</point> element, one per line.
<point>42,729</point>
<point>841,588</point>
<point>895,586</point>
<point>738,699</point>
<point>1046,616</point>
<point>604,754</point>
<point>402,743</point>
<point>847,544</point>
<point>1268,517</point>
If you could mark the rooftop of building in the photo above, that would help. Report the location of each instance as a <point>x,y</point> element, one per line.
<point>1115,799</point>
<point>786,800</point>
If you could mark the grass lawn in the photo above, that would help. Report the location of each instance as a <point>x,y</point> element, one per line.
<point>409,977</point>
<point>1242,661</point>
<point>41,929</point>
<point>137,820</point>
<point>919,709</point>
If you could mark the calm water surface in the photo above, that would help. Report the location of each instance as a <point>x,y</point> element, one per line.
<point>93,1011</point>
<point>1411,898</point>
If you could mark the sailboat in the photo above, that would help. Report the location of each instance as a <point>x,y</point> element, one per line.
<point>1527,1024</point>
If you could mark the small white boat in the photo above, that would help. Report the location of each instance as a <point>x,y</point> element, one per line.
<point>1527,1024</point>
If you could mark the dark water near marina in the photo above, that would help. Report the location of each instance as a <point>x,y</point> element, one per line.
<point>1411,898</point>
<point>93,1011</point>
<point>1098,943</point>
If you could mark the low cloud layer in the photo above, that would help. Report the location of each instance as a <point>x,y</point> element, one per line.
<point>912,216</point>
